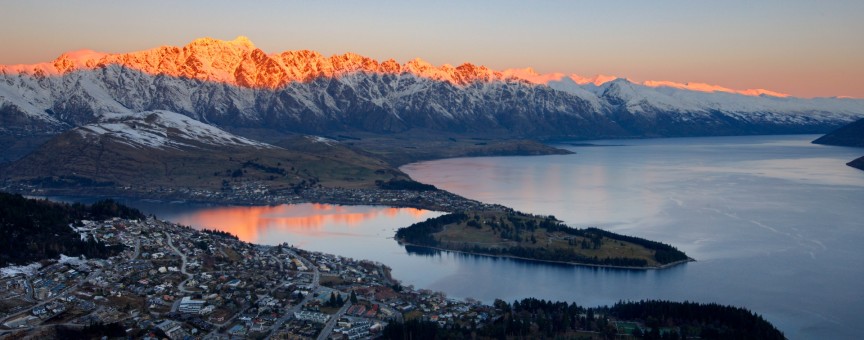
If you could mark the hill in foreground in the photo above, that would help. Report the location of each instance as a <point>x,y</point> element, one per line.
<point>540,319</point>
<point>34,230</point>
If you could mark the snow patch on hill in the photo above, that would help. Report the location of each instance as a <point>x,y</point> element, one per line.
<point>163,129</point>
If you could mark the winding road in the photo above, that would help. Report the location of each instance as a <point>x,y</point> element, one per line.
<point>183,260</point>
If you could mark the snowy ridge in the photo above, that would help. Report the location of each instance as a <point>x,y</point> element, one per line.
<point>323,140</point>
<point>161,130</point>
<point>234,84</point>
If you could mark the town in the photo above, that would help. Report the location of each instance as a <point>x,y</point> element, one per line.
<point>173,281</point>
<point>257,192</point>
<point>159,280</point>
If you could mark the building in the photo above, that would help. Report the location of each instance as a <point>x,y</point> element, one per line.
<point>190,306</point>
<point>312,316</point>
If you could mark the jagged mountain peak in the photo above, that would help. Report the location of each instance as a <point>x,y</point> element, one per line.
<point>240,41</point>
<point>239,62</point>
<point>211,59</point>
<point>233,84</point>
<point>69,61</point>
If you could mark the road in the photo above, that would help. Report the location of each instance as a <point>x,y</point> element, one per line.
<point>69,289</point>
<point>29,289</point>
<point>182,285</point>
<point>328,328</point>
<point>316,279</point>
<point>137,249</point>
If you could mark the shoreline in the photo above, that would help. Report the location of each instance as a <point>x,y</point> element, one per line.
<point>603,266</point>
<point>437,200</point>
<point>444,202</point>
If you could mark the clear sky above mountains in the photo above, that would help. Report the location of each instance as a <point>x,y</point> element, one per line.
<point>804,48</point>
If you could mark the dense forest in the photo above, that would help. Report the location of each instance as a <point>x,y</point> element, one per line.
<point>33,230</point>
<point>533,318</point>
<point>516,226</point>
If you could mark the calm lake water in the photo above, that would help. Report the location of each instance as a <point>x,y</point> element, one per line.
<point>776,224</point>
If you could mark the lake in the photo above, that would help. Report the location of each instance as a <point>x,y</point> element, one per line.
<point>775,223</point>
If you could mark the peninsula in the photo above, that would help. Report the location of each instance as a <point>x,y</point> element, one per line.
<point>509,233</point>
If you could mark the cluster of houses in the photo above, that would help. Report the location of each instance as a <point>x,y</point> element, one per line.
<point>176,282</point>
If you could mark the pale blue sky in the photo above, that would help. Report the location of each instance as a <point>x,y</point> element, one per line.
<point>806,48</point>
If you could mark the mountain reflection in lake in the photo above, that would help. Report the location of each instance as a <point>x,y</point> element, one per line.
<point>317,227</point>
<point>300,223</point>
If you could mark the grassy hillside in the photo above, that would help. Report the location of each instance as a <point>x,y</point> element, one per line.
<point>70,160</point>
<point>414,146</point>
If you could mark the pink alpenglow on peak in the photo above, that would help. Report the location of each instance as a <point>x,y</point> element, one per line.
<point>528,74</point>
<point>702,87</point>
<point>238,62</point>
<point>531,76</point>
<point>597,80</point>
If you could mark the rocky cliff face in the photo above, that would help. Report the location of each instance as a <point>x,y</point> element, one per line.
<point>233,84</point>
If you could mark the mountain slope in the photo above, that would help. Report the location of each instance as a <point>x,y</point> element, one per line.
<point>848,135</point>
<point>160,150</point>
<point>234,85</point>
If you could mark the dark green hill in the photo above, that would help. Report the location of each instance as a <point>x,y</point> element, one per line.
<point>858,163</point>
<point>33,230</point>
<point>531,318</point>
<point>848,135</point>
<point>851,134</point>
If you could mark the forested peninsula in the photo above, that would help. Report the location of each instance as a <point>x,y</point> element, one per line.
<point>515,234</point>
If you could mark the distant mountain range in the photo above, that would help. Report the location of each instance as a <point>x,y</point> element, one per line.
<point>238,87</point>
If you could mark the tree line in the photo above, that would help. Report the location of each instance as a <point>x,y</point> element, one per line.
<point>402,184</point>
<point>536,318</point>
<point>33,230</point>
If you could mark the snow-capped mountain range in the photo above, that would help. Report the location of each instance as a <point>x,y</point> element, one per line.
<point>233,85</point>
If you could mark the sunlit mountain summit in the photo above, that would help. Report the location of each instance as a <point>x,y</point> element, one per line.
<point>233,84</point>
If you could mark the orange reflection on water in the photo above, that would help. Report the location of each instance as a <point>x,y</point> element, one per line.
<point>248,222</point>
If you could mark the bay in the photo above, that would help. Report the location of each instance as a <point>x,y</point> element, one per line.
<point>775,223</point>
